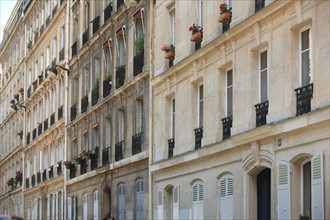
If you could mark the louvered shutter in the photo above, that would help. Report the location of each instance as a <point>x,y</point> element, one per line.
<point>56,205</point>
<point>283,190</point>
<point>69,209</point>
<point>176,199</point>
<point>226,197</point>
<point>139,200</point>
<point>96,205</point>
<point>48,207</point>
<point>85,207</point>
<point>121,202</point>
<point>198,197</point>
<point>317,187</point>
<point>160,204</point>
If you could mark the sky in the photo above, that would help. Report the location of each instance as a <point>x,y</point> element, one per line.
<point>6,7</point>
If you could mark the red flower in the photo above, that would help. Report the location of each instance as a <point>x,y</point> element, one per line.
<point>223,6</point>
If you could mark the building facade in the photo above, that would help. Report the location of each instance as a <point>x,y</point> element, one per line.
<point>240,120</point>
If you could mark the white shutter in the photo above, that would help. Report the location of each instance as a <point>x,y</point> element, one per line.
<point>139,200</point>
<point>48,207</point>
<point>56,206</point>
<point>121,202</point>
<point>160,204</point>
<point>226,197</point>
<point>96,205</point>
<point>53,206</point>
<point>317,187</point>
<point>85,207</point>
<point>176,201</point>
<point>69,208</point>
<point>283,190</point>
<point>198,197</point>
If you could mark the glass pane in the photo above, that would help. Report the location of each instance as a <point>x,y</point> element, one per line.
<point>201,92</point>
<point>305,68</point>
<point>305,40</point>
<point>201,114</point>
<point>264,86</point>
<point>230,101</point>
<point>229,78</point>
<point>263,60</point>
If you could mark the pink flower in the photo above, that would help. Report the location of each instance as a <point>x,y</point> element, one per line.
<point>223,6</point>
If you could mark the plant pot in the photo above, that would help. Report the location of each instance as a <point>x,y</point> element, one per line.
<point>170,54</point>
<point>16,96</point>
<point>225,17</point>
<point>197,37</point>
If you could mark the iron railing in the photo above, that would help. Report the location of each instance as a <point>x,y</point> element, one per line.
<point>60,112</point>
<point>83,166</point>
<point>198,45</point>
<point>45,124</point>
<point>73,112</point>
<point>54,10</point>
<point>171,144</point>
<point>36,36</point>
<point>95,95</point>
<point>29,92</point>
<point>52,119</point>
<point>27,183</point>
<point>51,172</point>
<point>106,156</point>
<point>170,62</point>
<point>96,24</point>
<point>107,12</point>
<point>59,168</point>
<point>119,151</point>
<point>61,54</point>
<point>198,137</point>
<point>259,4</point>
<point>33,180</point>
<point>39,129</point>
<point>42,28</point>
<point>304,96</point>
<point>137,143</point>
<point>227,123</point>
<point>72,170</point>
<point>28,138</point>
<point>225,26</point>
<point>106,87</point>
<point>34,134</point>
<point>85,36</point>
<point>47,20</point>
<point>38,177</point>
<point>84,103</point>
<point>261,113</point>
<point>120,76</point>
<point>44,175</point>
<point>74,49</point>
<point>138,63</point>
<point>119,3</point>
<point>40,78</point>
<point>94,161</point>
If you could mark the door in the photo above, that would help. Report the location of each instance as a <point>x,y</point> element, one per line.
<point>263,194</point>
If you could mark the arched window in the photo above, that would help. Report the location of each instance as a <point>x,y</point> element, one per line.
<point>226,197</point>
<point>85,206</point>
<point>121,202</point>
<point>139,199</point>
<point>197,199</point>
<point>96,205</point>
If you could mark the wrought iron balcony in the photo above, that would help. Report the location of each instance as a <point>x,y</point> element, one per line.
<point>227,123</point>
<point>106,156</point>
<point>107,12</point>
<point>27,183</point>
<point>51,172</point>
<point>72,170</point>
<point>42,28</point>
<point>29,92</point>
<point>61,2</point>
<point>39,129</point>
<point>45,124</point>
<point>84,103</point>
<point>60,112</point>
<point>120,76</point>
<point>261,113</point>
<point>44,175</point>
<point>59,168</point>
<point>46,74</point>
<point>106,87</point>
<point>85,36</point>
<point>119,3</point>
<point>73,112</point>
<point>171,144</point>
<point>138,63</point>
<point>136,143</point>
<point>74,49</point>
<point>93,161</point>
<point>96,24</point>
<point>34,134</point>
<point>198,137</point>
<point>83,167</point>
<point>52,119</point>
<point>47,20</point>
<point>225,26</point>
<point>40,78</point>
<point>54,62</point>
<point>95,95</point>
<point>198,45</point>
<point>259,4</point>
<point>36,36</point>
<point>119,151</point>
<point>54,10</point>
<point>61,55</point>
<point>38,177</point>
<point>304,96</point>
<point>33,180</point>
<point>170,62</point>
<point>28,138</point>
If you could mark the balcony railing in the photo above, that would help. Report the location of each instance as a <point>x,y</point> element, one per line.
<point>27,183</point>
<point>119,151</point>
<point>40,78</point>
<point>29,92</point>
<point>227,123</point>
<point>36,36</point>
<point>96,24</point>
<point>198,137</point>
<point>120,76</point>
<point>198,45</point>
<point>74,49</point>
<point>60,112</point>
<point>93,162</point>
<point>54,10</point>
<point>85,36</point>
<point>73,112</point>
<point>59,168</point>
<point>107,12</point>
<point>106,156</point>
<point>47,20</point>
<point>84,103</point>
<point>106,87</point>
<point>170,62</point>
<point>83,167</point>
<point>42,28</point>
<point>259,4</point>
<point>52,119</point>
<point>72,170</point>
<point>95,95</point>
<point>44,175</point>
<point>39,129</point>
<point>261,113</point>
<point>46,75</point>
<point>136,143</point>
<point>34,134</point>
<point>61,2</point>
<point>33,180</point>
<point>51,172</point>
<point>61,55</point>
<point>171,144</point>
<point>119,3</point>
<point>54,62</point>
<point>304,96</point>
<point>38,177</point>
<point>45,124</point>
<point>225,26</point>
<point>28,138</point>
<point>138,63</point>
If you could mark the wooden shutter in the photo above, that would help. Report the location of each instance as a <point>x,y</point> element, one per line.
<point>121,202</point>
<point>226,197</point>
<point>283,190</point>
<point>48,207</point>
<point>198,197</point>
<point>96,205</point>
<point>69,208</point>
<point>176,200</point>
<point>139,200</point>
<point>160,204</point>
<point>85,207</point>
<point>317,187</point>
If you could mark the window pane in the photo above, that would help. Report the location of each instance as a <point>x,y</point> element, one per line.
<point>305,68</point>
<point>305,40</point>
<point>264,86</point>
<point>263,60</point>
<point>229,78</point>
<point>230,101</point>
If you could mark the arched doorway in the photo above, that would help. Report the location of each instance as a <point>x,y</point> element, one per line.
<point>263,194</point>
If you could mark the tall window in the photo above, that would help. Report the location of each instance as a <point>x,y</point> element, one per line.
<point>305,57</point>
<point>48,7</point>
<point>85,206</point>
<point>69,208</point>
<point>86,21</point>
<point>97,70</point>
<point>42,16</point>
<point>263,72</point>
<point>121,202</point>
<point>47,56</point>
<point>34,164</point>
<point>85,142</point>
<point>96,205</point>
<point>62,37</point>
<point>53,100</point>
<point>229,91</point>
<point>40,160</point>
<point>54,48</point>
<point>139,200</point>
<point>96,137</point>
<point>172,23</point>
<point>41,62</point>
<point>173,118</point>
<point>85,81</point>
<point>200,12</point>
<point>35,71</point>
<point>121,125</point>
<point>226,197</point>
<point>200,105</point>
<point>197,200</point>
<point>122,50</point>
<point>108,133</point>
<point>139,116</point>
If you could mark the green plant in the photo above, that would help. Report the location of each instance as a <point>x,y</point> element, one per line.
<point>97,81</point>
<point>108,74</point>
<point>139,45</point>
<point>168,48</point>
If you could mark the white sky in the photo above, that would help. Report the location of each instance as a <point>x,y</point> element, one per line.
<point>6,7</point>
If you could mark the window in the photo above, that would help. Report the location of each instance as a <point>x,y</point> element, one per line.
<point>96,137</point>
<point>139,200</point>
<point>40,160</point>
<point>121,49</point>
<point>139,116</point>
<point>53,100</point>
<point>229,93</point>
<point>97,70</point>
<point>197,200</point>
<point>173,118</point>
<point>121,136</point>
<point>69,208</point>
<point>96,205</point>
<point>84,142</point>
<point>108,133</point>
<point>200,12</point>
<point>85,206</point>
<point>200,105</point>
<point>42,16</point>
<point>55,3</point>
<point>41,63</point>
<point>47,56</point>
<point>172,23</point>
<point>176,199</point>
<point>86,21</point>
<point>48,7</point>
<point>54,48</point>
<point>121,202</point>
<point>62,37</point>
<point>35,71</point>
<point>226,197</point>
<point>263,72</point>
<point>34,164</point>
<point>85,81</point>
<point>305,57</point>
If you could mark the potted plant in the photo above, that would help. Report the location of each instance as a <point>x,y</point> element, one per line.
<point>139,45</point>
<point>19,177</point>
<point>20,134</point>
<point>16,96</point>
<point>89,153</point>
<point>29,44</point>
<point>12,101</point>
<point>169,51</point>
<point>197,33</point>
<point>225,13</point>
<point>68,164</point>
<point>11,182</point>
<point>21,90</point>
<point>108,75</point>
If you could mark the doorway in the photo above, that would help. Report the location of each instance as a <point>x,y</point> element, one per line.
<point>263,194</point>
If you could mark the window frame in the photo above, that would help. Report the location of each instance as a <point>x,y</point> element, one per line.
<point>311,75</point>
<point>260,72</point>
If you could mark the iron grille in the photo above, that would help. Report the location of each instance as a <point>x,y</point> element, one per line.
<point>93,161</point>
<point>54,10</point>
<point>61,55</point>
<point>227,123</point>
<point>119,3</point>
<point>52,119</point>
<point>136,143</point>
<point>96,24</point>
<point>225,26</point>
<point>42,28</point>
<point>170,62</point>
<point>28,138</point>
<point>38,177</point>
<point>85,36</point>
<point>84,104</point>
<point>119,151</point>
<point>106,87</point>
<point>74,49</point>
<point>29,92</point>
<point>27,183</point>
<point>34,134</point>
<point>304,96</point>
<point>45,124</point>
<point>72,171</point>
<point>106,156</point>
<point>33,180</point>
<point>120,76</point>
<point>198,137</point>
<point>138,63</point>
<point>261,113</point>
<point>171,144</point>
<point>107,12</point>
<point>59,168</point>
<point>51,172</point>
<point>47,20</point>
<point>40,78</point>
<point>95,95</point>
<point>60,112</point>
<point>83,166</point>
<point>39,129</point>
<point>44,175</point>
<point>73,112</point>
<point>198,45</point>
<point>259,4</point>
<point>36,36</point>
